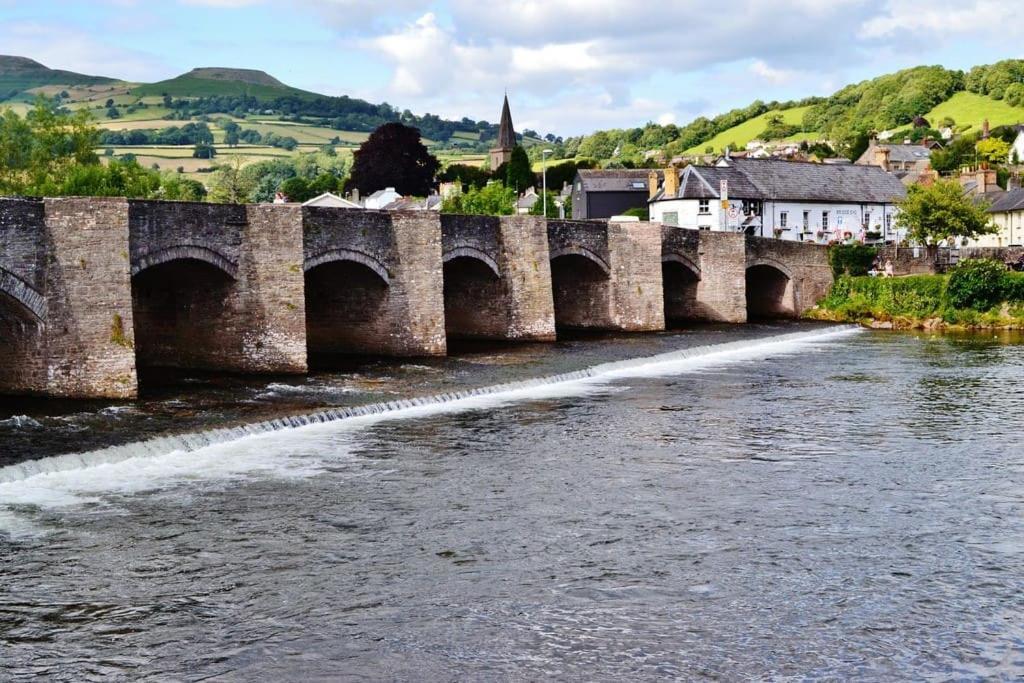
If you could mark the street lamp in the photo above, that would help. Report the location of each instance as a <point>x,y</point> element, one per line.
<point>544,177</point>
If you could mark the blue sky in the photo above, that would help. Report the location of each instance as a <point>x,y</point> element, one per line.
<point>570,66</point>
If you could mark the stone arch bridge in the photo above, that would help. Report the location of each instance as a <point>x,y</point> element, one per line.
<point>91,289</point>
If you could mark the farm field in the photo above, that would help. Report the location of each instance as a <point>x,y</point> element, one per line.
<point>738,136</point>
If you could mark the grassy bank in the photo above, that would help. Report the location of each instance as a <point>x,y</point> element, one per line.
<point>977,295</point>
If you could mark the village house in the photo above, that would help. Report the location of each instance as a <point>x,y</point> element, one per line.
<point>603,194</point>
<point>1017,149</point>
<point>329,199</point>
<point>381,198</point>
<point>1007,211</point>
<point>791,200</point>
<point>900,160</point>
<point>525,204</point>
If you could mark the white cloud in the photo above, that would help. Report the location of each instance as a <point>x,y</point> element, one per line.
<point>997,19</point>
<point>770,74</point>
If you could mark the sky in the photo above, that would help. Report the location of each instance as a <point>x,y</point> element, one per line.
<point>569,66</point>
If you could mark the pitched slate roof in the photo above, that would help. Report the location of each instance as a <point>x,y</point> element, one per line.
<point>780,180</point>
<point>618,180</point>
<point>1010,201</point>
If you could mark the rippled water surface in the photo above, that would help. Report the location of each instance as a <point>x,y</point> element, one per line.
<point>803,503</point>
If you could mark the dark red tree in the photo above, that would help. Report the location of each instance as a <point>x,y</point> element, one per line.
<point>393,156</point>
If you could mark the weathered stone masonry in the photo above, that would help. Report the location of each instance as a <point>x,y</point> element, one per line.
<point>89,288</point>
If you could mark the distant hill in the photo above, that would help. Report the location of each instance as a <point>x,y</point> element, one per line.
<point>223,82</point>
<point>19,74</point>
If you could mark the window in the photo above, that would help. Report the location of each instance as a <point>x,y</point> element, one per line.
<point>704,207</point>
<point>784,220</point>
<point>888,222</point>
<point>703,227</point>
<point>670,218</point>
<point>824,220</point>
<point>807,221</point>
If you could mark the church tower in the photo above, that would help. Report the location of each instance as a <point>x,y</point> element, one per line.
<point>502,153</point>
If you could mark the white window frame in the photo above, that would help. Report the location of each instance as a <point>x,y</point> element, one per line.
<point>703,207</point>
<point>784,220</point>
<point>824,221</point>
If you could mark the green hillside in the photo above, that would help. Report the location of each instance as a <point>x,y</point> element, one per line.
<point>222,82</point>
<point>18,74</point>
<point>970,109</point>
<point>739,135</point>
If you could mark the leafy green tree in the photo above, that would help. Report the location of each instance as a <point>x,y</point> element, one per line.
<point>297,190</point>
<point>934,214</point>
<point>230,184</point>
<point>231,138</point>
<point>519,173</point>
<point>467,175</point>
<point>993,150</point>
<point>494,199</point>
<point>538,208</point>
<point>204,150</point>
<point>394,156</point>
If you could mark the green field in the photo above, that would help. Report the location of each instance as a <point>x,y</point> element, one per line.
<point>738,136</point>
<point>969,109</point>
<point>190,86</point>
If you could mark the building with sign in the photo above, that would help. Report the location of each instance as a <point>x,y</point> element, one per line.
<point>792,200</point>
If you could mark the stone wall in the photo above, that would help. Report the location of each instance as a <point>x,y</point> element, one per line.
<point>721,294</point>
<point>635,262</point>
<point>89,329</point>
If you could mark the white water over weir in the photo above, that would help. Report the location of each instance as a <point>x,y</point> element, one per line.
<point>671,363</point>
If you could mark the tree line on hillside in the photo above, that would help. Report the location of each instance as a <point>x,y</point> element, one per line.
<point>847,118</point>
<point>339,113</point>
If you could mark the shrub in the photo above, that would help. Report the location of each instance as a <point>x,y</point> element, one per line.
<point>1014,284</point>
<point>851,259</point>
<point>978,284</point>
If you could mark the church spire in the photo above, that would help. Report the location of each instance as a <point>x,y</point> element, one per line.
<point>502,152</point>
<point>506,132</point>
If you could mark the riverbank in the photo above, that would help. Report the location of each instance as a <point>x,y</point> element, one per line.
<point>977,296</point>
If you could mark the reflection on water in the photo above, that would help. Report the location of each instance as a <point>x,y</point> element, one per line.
<point>846,507</point>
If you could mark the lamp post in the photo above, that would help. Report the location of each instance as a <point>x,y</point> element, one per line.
<point>544,177</point>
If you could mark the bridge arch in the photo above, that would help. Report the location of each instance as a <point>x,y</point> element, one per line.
<point>347,293</point>
<point>577,250</point>
<point>186,252</point>
<point>351,255</point>
<point>581,289</point>
<point>475,304</point>
<point>770,290</point>
<point>181,302</point>
<point>23,294</point>
<point>680,279</point>
<point>470,252</point>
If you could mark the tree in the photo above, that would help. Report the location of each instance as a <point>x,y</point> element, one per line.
<point>933,214</point>
<point>204,150</point>
<point>993,150</point>
<point>494,199</point>
<point>297,190</point>
<point>519,173</point>
<point>393,156</point>
<point>474,176</point>
<point>538,208</point>
<point>230,184</point>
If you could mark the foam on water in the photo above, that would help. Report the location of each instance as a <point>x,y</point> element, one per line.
<point>274,447</point>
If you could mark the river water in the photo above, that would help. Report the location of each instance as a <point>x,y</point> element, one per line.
<point>771,503</point>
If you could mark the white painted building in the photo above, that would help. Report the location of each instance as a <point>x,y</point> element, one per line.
<point>1007,213</point>
<point>381,198</point>
<point>790,200</point>
<point>1017,150</point>
<point>329,199</point>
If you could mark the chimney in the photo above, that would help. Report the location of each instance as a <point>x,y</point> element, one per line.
<point>652,184</point>
<point>987,180</point>
<point>985,130</point>
<point>882,158</point>
<point>1013,182</point>
<point>671,181</point>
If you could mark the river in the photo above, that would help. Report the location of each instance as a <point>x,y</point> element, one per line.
<point>791,502</point>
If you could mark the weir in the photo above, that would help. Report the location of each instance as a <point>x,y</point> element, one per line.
<point>479,398</point>
<point>93,288</point>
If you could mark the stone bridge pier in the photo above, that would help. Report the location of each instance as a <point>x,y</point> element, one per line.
<point>218,287</point>
<point>373,282</point>
<point>497,278</point>
<point>783,279</point>
<point>606,276</point>
<point>66,326</point>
